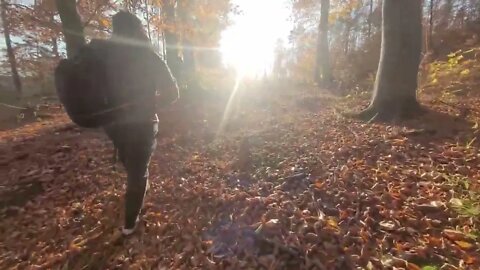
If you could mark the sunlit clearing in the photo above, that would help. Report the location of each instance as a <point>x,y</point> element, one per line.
<point>248,45</point>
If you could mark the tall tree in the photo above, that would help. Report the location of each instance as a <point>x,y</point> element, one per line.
<point>445,14</point>
<point>188,51</point>
<point>171,39</point>
<point>430,45</point>
<point>369,19</point>
<point>71,25</point>
<point>396,82</point>
<point>147,19</point>
<point>323,73</point>
<point>11,54</point>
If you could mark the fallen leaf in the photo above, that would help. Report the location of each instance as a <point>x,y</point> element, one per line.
<point>463,244</point>
<point>454,235</point>
<point>470,259</point>
<point>332,223</point>
<point>319,184</point>
<point>455,202</point>
<point>387,225</point>
<point>432,207</point>
<point>429,267</point>
<point>412,266</point>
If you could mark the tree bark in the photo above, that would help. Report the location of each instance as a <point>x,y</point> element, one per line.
<point>171,41</point>
<point>446,13</point>
<point>189,63</point>
<point>71,25</point>
<point>348,30</point>
<point>323,74</point>
<point>396,82</point>
<point>55,52</point>
<point>164,46</point>
<point>11,54</point>
<point>147,18</point>
<point>188,66</point>
<point>430,46</point>
<point>370,14</point>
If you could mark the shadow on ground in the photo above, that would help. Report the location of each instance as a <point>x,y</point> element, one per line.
<point>434,126</point>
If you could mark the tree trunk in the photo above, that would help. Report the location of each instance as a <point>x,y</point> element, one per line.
<point>11,54</point>
<point>323,74</point>
<point>348,29</point>
<point>71,25</point>
<point>446,13</point>
<point>370,14</point>
<point>430,46</point>
<point>173,60</point>
<point>189,63</point>
<point>171,42</point>
<point>147,18</point>
<point>396,83</point>
<point>164,46</point>
<point>188,66</point>
<point>55,52</point>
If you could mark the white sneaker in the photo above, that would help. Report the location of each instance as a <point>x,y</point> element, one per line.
<point>127,232</point>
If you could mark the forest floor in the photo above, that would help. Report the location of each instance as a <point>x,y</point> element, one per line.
<point>288,184</point>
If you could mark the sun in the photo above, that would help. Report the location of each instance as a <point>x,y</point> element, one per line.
<point>247,57</point>
<point>248,44</point>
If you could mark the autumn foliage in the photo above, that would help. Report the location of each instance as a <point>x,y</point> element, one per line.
<point>277,179</point>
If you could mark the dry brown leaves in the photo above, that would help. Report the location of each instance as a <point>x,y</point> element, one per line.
<point>319,192</point>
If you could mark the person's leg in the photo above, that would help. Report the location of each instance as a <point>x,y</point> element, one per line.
<point>116,134</point>
<point>137,156</point>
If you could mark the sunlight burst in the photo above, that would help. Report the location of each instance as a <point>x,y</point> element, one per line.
<point>248,45</point>
<point>228,108</point>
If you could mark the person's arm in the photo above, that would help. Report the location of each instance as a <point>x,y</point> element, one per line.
<point>166,85</point>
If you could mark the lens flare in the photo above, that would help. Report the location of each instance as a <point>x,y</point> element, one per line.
<point>228,108</point>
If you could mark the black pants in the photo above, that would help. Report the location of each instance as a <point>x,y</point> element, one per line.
<point>135,143</point>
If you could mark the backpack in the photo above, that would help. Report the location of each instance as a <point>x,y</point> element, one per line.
<point>82,86</point>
